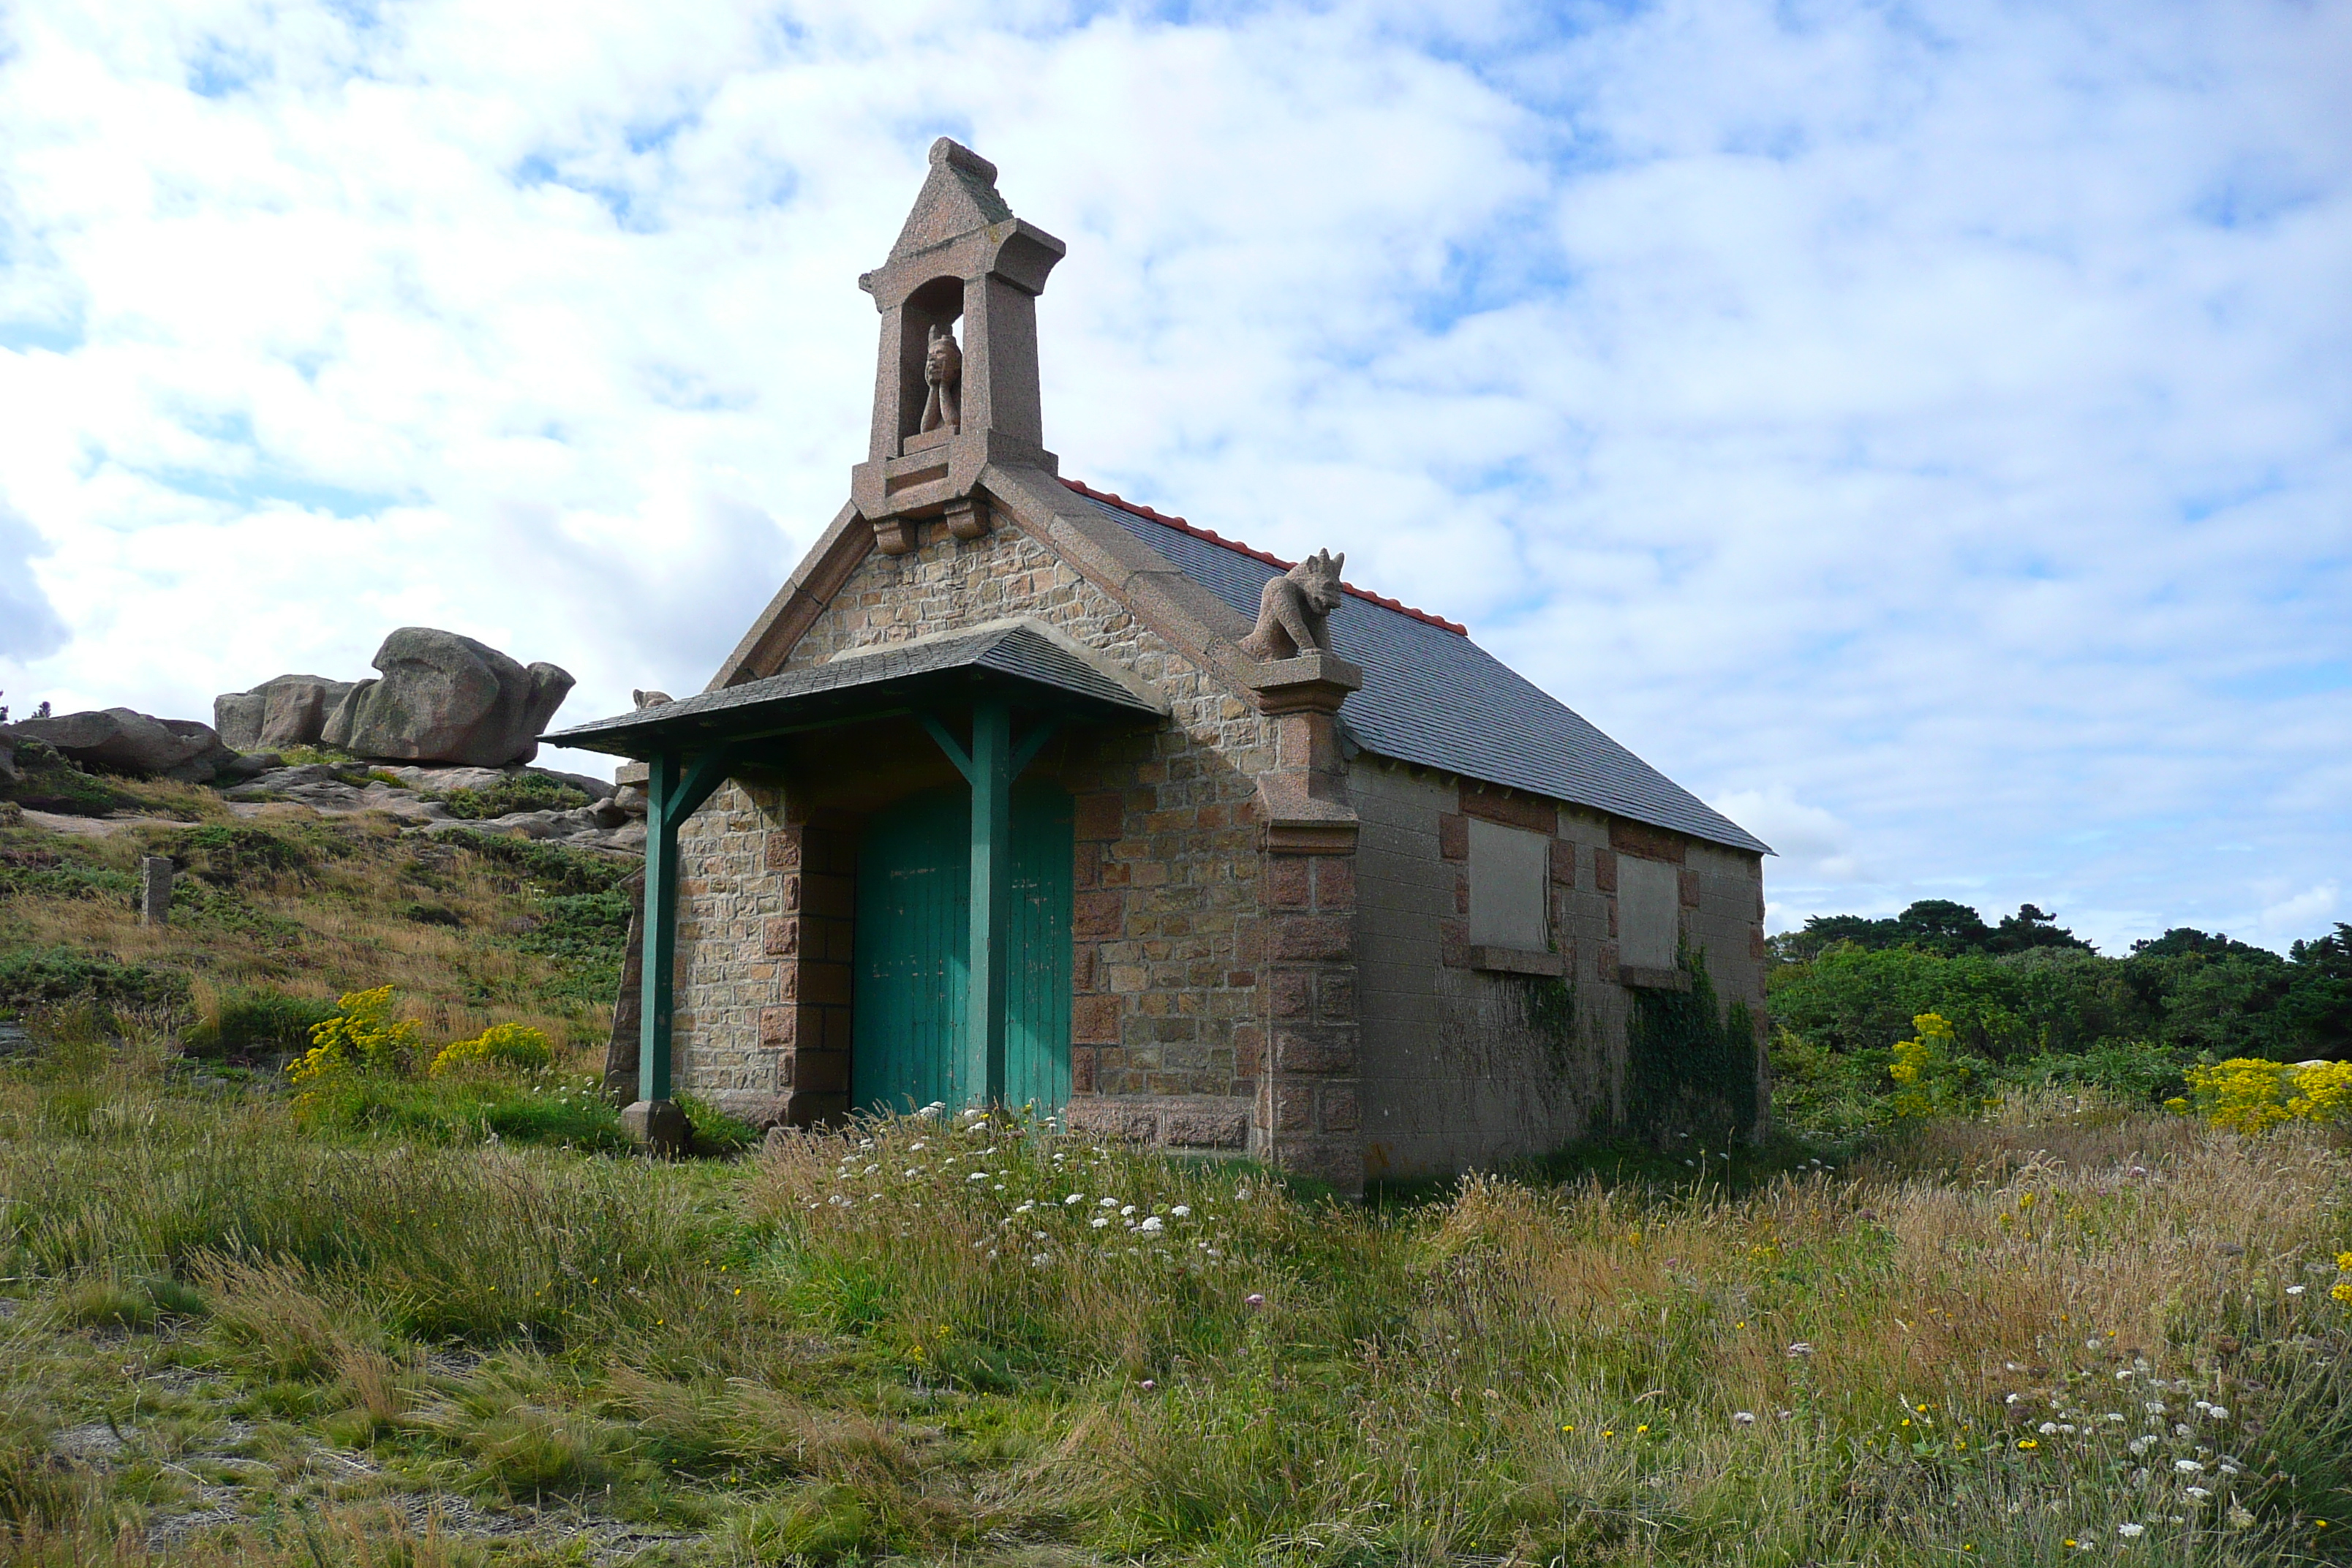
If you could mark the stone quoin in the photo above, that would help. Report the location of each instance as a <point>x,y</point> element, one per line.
<point>1019,792</point>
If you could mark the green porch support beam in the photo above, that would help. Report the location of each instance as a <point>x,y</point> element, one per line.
<point>989,767</point>
<point>991,892</point>
<point>673,792</point>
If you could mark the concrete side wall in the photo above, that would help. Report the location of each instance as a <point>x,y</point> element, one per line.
<point>1464,1066</point>
<point>1169,923</point>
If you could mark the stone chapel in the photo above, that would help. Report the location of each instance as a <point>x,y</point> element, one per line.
<point>1019,792</point>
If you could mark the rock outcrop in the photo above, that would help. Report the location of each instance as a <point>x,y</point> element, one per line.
<point>285,710</point>
<point>123,741</point>
<point>448,698</point>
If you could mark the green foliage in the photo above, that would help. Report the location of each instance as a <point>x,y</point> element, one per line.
<point>715,1133</point>
<point>250,1019</point>
<point>1931,926</point>
<point>554,868</point>
<point>38,977</point>
<point>1691,1067</point>
<point>229,854</point>
<point>516,791</point>
<point>49,781</point>
<point>467,1108</point>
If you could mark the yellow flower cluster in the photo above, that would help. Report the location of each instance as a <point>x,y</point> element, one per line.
<point>1924,1067</point>
<point>363,1036</point>
<point>515,1046</point>
<point>2247,1094</point>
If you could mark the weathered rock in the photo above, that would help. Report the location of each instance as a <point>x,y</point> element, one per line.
<point>123,741</point>
<point>284,711</point>
<point>448,698</point>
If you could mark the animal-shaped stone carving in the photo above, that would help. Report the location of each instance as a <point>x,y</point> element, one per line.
<point>644,700</point>
<point>1293,610</point>
<point>943,373</point>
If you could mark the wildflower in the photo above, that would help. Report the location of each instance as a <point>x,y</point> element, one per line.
<point>2141,1445</point>
<point>2198,1494</point>
<point>1099,1221</point>
<point>2154,1407</point>
<point>2342,1292</point>
<point>1109,1203</point>
<point>1242,1193</point>
<point>1150,1224</point>
<point>1074,1198</point>
<point>2238,1518</point>
<point>2217,1412</point>
<point>1801,1348</point>
<point>1183,1211</point>
<point>1037,1236</point>
<point>2122,1374</point>
<point>976,1176</point>
<point>1743,1418</point>
<point>1148,1386</point>
<point>2188,1466</point>
<point>2295,1289</point>
<point>2027,1443</point>
<point>1253,1300</point>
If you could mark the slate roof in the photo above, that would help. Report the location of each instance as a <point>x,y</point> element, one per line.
<point>913,673</point>
<point>1434,697</point>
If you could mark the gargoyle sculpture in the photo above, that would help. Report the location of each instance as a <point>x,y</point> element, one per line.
<point>943,373</point>
<point>1293,610</point>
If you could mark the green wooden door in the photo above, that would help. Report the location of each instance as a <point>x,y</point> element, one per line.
<point>914,900</point>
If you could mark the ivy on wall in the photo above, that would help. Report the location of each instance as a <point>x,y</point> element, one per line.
<point>1691,1063</point>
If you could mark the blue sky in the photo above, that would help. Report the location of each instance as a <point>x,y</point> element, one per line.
<point>1925,431</point>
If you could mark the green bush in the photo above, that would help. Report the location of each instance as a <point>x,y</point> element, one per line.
<point>46,976</point>
<point>516,791</point>
<point>257,1018</point>
<point>555,868</point>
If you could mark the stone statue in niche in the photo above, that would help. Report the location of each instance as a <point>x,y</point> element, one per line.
<point>943,373</point>
<point>1294,611</point>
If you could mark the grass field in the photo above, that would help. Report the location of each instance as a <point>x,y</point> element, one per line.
<point>240,1327</point>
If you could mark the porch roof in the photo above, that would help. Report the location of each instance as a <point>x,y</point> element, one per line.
<point>1017,662</point>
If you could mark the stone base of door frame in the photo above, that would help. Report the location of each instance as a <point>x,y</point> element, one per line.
<point>658,1126</point>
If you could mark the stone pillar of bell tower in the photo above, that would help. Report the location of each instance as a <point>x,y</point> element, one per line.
<point>955,383</point>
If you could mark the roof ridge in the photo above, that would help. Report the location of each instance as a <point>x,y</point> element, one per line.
<point>1111,498</point>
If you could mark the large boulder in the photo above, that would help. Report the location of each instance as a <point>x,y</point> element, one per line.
<point>284,711</point>
<point>123,741</point>
<point>448,698</point>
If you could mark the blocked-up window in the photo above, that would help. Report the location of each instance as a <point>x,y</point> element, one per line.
<point>1649,897</point>
<point>1509,872</point>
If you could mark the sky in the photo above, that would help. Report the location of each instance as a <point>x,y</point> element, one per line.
<point>1921,430</point>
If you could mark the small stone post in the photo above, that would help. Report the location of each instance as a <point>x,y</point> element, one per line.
<point>155,891</point>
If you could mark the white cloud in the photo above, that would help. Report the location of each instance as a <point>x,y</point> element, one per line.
<point>1925,427</point>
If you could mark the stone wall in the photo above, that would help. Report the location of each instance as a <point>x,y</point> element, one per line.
<point>1463,1065</point>
<point>1168,928</point>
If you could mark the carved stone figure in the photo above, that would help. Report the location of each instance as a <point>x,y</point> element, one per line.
<point>943,373</point>
<point>1293,610</point>
<point>646,700</point>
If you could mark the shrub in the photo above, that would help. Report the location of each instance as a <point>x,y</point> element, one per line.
<point>363,1036</point>
<point>2248,1094</point>
<point>49,975</point>
<point>555,868</point>
<point>513,1047</point>
<point>1928,1070</point>
<point>247,1019</point>
<point>516,791</point>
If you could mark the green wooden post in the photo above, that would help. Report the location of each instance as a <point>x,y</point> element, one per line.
<point>660,968</point>
<point>992,891</point>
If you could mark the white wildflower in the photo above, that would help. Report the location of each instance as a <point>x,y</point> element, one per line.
<point>1150,1224</point>
<point>1241,1192</point>
<point>2141,1445</point>
<point>2180,1429</point>
<point>2188,1466</point>
<point>2238,1518</point>
<point>2131,1531</point>
<point>1743,1418</point>
<point>2198,1494</point>
<point>2122,1374</point>
<point>2048,1428</point>
<point>2115,1417</point>
<point>917,1148</point>
<point>1183,1211</point>
<point>1801,1348</point>
<point>2154,1407</point>
<point>1074,1198</point>
<point>1105,1203</point>
<point>1099,1221</point>
<point>1025,1209</point>
<point>2295,1289</point>
<point>2217,1412</point>
<point>976,1176</point>
<point>1126,1211</point>
<point>1037,1236</point>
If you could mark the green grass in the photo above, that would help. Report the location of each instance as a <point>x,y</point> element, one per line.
<point>846,1349</point>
